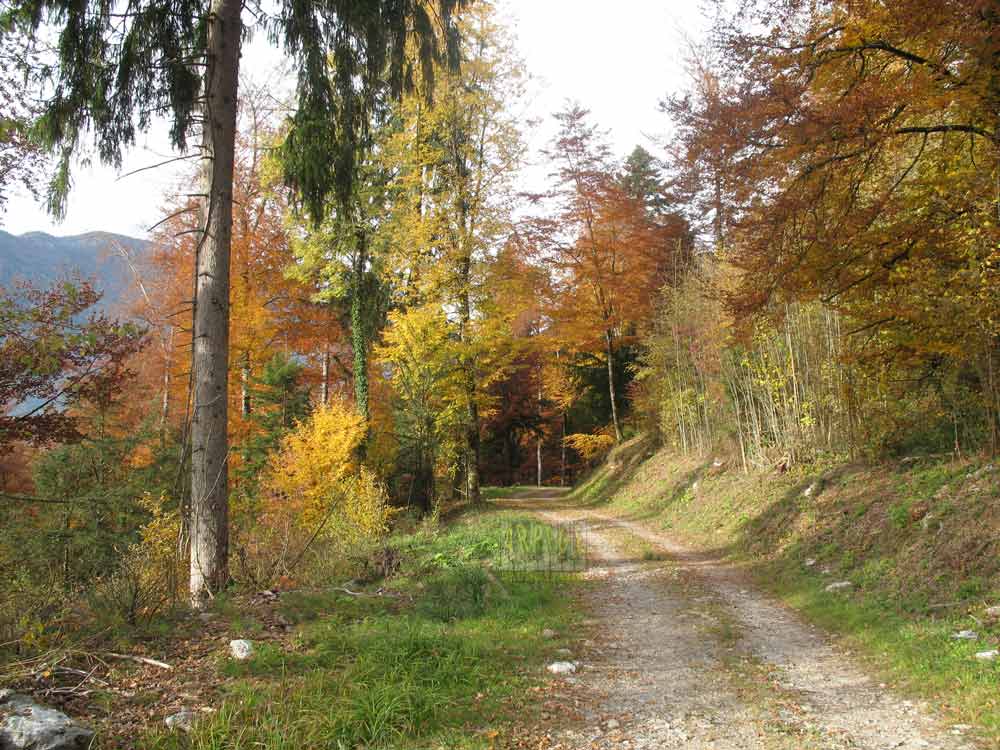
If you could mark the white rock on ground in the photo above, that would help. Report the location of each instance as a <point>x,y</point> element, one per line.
<point>993,612</point>
<point>990,655</point>
<point>840,586</point>
<point>30,726</point>
<point>183,720</point>
<point>965,635</point>
<point>562,667</point>
<point>241,649</point>
<point>548,633</point>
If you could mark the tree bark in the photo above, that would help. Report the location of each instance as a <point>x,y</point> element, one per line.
<point>325,386</point>
<point>472,446</point>
<point>562,453</point>
<point>611,386</point>
<point>359,328</point>
<point>538,444</point>
<point>245,406</point>
<point>209,514</point>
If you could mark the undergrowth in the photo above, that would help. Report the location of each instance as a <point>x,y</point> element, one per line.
<point>443,661</point>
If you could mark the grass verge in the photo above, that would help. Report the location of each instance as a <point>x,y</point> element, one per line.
<point>445,659</point>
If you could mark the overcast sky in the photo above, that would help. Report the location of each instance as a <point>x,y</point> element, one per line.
<point>618,59</point>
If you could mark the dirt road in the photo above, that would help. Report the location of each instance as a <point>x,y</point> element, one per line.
<point>691,656</point>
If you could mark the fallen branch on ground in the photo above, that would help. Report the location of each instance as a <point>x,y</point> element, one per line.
<point>140,660</point>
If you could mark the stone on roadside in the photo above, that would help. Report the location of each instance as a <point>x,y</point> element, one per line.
<point>812,489</point>
<point>965,635</point>
<point>241,649</point>
<point>990,655</point>
<point>611,724</point>
<point>811,562</point>
<point>562,667</point>
<point>839,586</point>
<point>182,720</point>
<point>548,633</point>
<point>30,726</point>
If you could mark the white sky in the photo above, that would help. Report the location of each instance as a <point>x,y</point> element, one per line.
<point>618,59</point>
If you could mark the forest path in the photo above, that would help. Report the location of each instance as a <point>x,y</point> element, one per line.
<point>692,656</point>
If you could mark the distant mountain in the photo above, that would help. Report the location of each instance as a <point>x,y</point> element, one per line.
<point>41,259</point>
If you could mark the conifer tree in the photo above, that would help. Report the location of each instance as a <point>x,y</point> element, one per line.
<point>119,67</point>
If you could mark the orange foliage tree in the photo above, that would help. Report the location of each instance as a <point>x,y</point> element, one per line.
<point>858,142</point>
<point>608,254</point>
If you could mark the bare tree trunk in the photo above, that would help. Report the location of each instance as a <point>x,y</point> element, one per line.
<point>245,406</point>
<point>325,386</point>
<point>472,450</point>
<point>209,520</point>
<point>611,386</point>
<point>469,376</point>
<point>165,403</point>
<point>562,457</point>
<point>538,444</point>
<point>359,327</point>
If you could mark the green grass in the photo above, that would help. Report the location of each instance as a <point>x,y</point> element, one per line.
<point>439,665</point>
<point>915,653</point>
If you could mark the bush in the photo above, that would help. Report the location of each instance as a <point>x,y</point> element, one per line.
<point>316,503</point>
<point>150,575</point>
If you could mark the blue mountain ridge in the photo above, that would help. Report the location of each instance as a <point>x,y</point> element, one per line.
<point>41,259</point>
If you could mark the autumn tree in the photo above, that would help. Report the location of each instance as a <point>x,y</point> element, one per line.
<point>56,351</point>
<point>606,250</point>
<point>453,198</point>
<point>861,139</point>
<point>420,353</point>
<point>180,59</point>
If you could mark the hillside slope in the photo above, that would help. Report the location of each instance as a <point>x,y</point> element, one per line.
<point>917,543</point>
<point>42,258</point>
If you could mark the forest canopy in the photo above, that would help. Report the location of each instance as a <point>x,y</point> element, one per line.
<point>354,312</point>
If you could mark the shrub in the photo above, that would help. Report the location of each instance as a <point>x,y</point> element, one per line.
<point>316,502</point>
<point>590,447</point>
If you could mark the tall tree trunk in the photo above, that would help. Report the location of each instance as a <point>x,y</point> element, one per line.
<point>469,376</point>
<point>359,328</point>
<point>325,386</point>
<point>245,405</point>
<point>209,519</point>
<point>611,385</point>
<point>562,453</point>
<point>538,444</point>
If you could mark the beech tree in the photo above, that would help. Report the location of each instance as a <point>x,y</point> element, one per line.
<point>859,145</point>
<point>453,198</point>
<point>54,353</point>
<point>607,251</point>
<point>180,59</point>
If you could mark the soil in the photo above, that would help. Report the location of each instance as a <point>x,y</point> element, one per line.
<point>691,655</point>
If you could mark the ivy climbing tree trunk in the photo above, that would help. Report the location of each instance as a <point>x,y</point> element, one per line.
<point>608,340</point>
<point>472,446</point>
<point>360,327</point>
<point>209,514</point>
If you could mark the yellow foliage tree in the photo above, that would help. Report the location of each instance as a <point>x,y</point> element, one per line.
<point>591,447</point>
<point>315,484</point>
